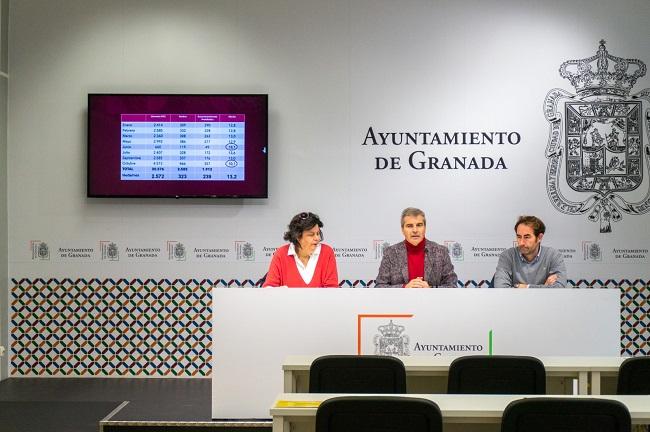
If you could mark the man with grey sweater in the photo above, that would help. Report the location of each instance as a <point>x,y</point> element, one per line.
<point>530,265</point>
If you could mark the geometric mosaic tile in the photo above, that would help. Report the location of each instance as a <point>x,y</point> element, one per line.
<point>110,327</point>
<point>635,320</point>
<point>163,328</point>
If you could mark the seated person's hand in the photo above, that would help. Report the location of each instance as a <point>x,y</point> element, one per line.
<point>417,283</point>
<point>551,279</point>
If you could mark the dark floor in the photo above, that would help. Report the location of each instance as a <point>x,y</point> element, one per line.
<point>78,404</point>
<point>32,416</point>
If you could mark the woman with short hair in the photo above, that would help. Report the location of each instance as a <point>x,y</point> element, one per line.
<point>304,261</point>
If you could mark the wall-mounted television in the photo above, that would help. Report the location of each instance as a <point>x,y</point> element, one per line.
<point>178,145</point>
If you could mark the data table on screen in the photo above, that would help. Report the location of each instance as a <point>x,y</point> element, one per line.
<point>193,147</point>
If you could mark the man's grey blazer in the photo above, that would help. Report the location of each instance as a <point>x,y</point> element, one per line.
<point>438,269</point>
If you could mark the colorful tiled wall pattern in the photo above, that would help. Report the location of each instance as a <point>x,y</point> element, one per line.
<point>162,328</point>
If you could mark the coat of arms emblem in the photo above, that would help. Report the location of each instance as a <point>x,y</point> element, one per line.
<point>598,140</point>
<point>391,341</point>
<point>593,252</point>
<point>43,251</point>
<point>112,251</point>
<point>456,251</point>
<point>247,251</point>
<point>179,251</point>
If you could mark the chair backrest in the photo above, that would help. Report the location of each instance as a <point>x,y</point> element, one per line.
<point>634,376</point>
<point>378,413</point>
<point>357,374</point>
<point>565,414</point>
<point>496,375</point>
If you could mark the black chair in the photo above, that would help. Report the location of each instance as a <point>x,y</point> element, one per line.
<point>483,374</point>
<point>565,414</point>
<point>634,376</point>
<point>357,374</point>
<point>378,414</point>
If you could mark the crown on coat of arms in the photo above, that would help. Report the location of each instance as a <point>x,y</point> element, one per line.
<point>595,75</point>
<point>390,329</point>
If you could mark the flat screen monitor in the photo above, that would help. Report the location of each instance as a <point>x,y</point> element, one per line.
<point>178,145</point>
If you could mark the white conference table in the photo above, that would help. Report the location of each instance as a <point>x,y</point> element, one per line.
<point>292,408</point>
<point>588,370</point>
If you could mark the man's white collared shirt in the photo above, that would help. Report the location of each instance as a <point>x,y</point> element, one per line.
<point>306,272</point>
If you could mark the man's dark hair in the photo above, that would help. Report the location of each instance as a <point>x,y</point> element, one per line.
<point>534,222</point>
<point>302,222</point>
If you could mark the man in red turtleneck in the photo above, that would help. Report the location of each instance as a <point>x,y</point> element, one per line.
<point>416,262</point>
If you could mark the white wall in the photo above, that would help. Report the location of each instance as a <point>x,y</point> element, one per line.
<point>331,69</point>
